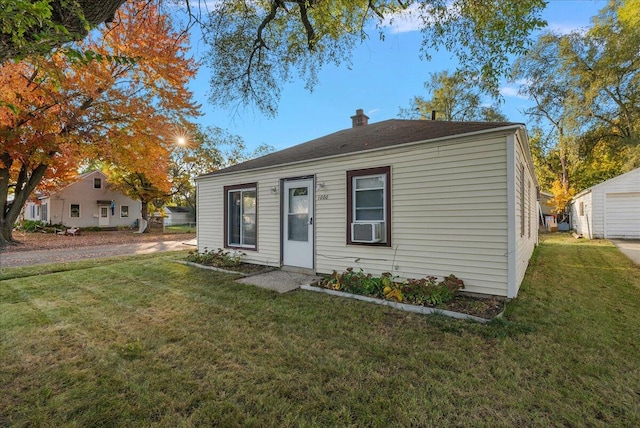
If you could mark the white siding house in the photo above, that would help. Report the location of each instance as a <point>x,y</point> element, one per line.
<point>178,215</point>
<point>610,209</point>
<point>90,202</point>
<point>415,198</point>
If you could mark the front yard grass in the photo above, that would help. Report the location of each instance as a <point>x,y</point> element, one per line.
<point>148,342</point>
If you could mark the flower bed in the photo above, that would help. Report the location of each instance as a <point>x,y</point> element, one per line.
<point>227,261</point>
<point>423,293</point>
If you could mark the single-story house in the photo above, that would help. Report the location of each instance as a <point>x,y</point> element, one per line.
<point>178,215</point>
<point>88,202</point>
<point>610,209</point>
<point>412,197</point>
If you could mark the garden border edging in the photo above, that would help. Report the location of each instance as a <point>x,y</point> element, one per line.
<point>424,310</point>
<point>217,269</point>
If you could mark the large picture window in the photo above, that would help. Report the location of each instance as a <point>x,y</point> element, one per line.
<point>368,206</point>
<point>240,213</point>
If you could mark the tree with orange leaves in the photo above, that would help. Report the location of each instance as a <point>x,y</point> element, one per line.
<point>117,102</point>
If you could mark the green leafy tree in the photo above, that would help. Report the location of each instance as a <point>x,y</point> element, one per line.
<point>453,96</point>
<point>258,46</point>
<point>30,27</point>
<point>586,90</point>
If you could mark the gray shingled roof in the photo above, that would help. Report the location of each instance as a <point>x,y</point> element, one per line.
<point>362,138</point>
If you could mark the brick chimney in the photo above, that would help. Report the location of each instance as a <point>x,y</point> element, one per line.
<point>360,119</point>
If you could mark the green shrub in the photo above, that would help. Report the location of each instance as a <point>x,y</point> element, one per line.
<point>424,291</point>
<point>218,258</point>
<point>30,225</point>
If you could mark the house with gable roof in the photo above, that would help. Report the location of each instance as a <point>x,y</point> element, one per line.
<point>412,197</point>
<point>87,202</point>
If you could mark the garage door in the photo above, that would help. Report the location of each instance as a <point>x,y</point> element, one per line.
<point>622,216</point>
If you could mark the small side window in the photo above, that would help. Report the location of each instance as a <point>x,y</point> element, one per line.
<point>97,183</point>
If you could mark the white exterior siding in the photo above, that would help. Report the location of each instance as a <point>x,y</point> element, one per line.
<point>526,220</point>
<point>83,193</point>
<point>612,206</point>
<point>449,212</point>
<point>582,220</point>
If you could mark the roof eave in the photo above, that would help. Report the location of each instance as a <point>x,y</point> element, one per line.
<point>514,127</point>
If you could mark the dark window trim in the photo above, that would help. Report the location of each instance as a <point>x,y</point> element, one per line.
<point>363,172</point>
<point>226,215</point>
<point>71,211</point>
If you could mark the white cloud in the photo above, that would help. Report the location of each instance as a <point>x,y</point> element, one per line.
<point>373,111</point>
<point>566,27</point>
<point>512,91</point>
<point>405,21</point>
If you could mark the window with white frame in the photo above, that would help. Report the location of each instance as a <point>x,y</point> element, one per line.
<point>74,210</point>
<point>240,216</point>
<point>368,206</point>
<point>124,210</point>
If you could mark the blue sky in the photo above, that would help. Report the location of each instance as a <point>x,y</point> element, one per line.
<point>383,77</point>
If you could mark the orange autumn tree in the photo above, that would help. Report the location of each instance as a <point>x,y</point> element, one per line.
<point>116,103</point>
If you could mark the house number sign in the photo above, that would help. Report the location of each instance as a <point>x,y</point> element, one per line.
<point>323,197</point>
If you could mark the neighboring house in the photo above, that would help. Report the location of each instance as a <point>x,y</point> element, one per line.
<point>412,197</point>
<point>178,215</point>
<point>610,209</point>
<point>31,211</point>
<point>89,202</point>
<point>547,218</point>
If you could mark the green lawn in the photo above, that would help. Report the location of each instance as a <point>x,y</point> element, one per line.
<point>147,342</point>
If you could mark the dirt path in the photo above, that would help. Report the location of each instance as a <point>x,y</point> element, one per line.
<point>38,248</point>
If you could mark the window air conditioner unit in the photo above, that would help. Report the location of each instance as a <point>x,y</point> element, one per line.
<point>366,232</point>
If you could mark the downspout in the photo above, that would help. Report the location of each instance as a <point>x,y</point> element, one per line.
<point>511,216</point>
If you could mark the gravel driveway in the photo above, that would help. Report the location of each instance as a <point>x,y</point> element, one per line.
<point>36,249</point>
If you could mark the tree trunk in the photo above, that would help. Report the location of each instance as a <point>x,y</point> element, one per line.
<point>26,184</point>
<point>145,214</point>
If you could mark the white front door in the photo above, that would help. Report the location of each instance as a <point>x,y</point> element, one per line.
<point>298,223</point>
<point>104,216</point>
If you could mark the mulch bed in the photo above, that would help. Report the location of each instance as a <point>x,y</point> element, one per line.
<point>483,307</point>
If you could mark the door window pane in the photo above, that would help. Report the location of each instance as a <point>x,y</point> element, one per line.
<point>298,227</point>
<point>299,201</point>
<point>298,215</point>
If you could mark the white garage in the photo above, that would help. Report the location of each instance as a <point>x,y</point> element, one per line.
<point>610,209</point>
